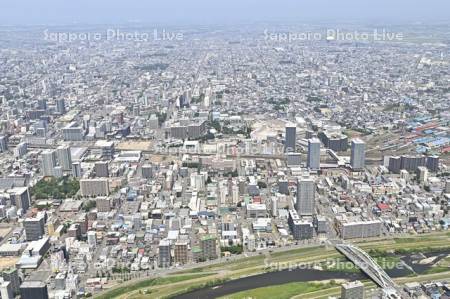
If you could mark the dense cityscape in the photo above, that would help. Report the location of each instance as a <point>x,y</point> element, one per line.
<point>177,160</point>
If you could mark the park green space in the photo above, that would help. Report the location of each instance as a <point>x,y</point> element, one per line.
<point>142,285</point>
<point>282,291</point>
<point>55,188</point>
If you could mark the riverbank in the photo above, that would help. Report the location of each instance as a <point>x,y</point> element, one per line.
<point>245,268</point>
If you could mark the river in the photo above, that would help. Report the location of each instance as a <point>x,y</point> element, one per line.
<point>305,275</point>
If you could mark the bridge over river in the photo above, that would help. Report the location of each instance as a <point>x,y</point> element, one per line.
<point>369,266</point>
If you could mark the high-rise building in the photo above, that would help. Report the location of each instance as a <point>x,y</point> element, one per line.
<point>274,201</point>
<point>72,282</point>
<point>181,252</point>
<point>100,130</point>
<point>321,224</point>
<point>208,245</point>
<point>433,163</point>
<point>358,154</point>
<point>235,193</point>
<point>153,122</point>
<point>82,221</point>
<point>40,131</point>
<point>34,227</point>
<point>60,281</point>
<point>198,181</point>
<point>137,221</point>
<point>165,259</point>
<point>94,187</point>
<point>309,134</point>
<point>178,131</point>
<point>352,290</point>
<point>290,138</point>
<point>411,163</point>
<point>58,171</point>
<point>306,189</point>
<point>301,228</point>
<point>147,171</point>
<point>197,255</point>
<point>3,144</point>
<point>74,231</point>
<point>52,225</point>
<point>12,276</point>
<point>20,150</point>
<point>313,161</point>
<point>61,106</point>
<point>101,169</point>
<point>42,104</point>
<point>64,157</point>
<point>359,229</point>
<point>92,238</point>
<point>103,204</point>
<point>196,129</point>
<point>6,291</point>
<point>21,197</point>
<point>73,132</point>
<point>293,159</point>
<point>283,186</point>
<point>48,162</point>
<point>106,148</point>
<point>447,186</point>
<point>394,164</point>
<point>334,140</point>
<point>76,169</point>
<point>422,174</point>
<point>33,289</point>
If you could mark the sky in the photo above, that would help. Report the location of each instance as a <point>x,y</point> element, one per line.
<point>177,12</point>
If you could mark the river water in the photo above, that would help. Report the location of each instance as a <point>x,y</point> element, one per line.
<point>305,275</point>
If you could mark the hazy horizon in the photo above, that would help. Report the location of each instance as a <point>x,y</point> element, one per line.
<point>54,12</point>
